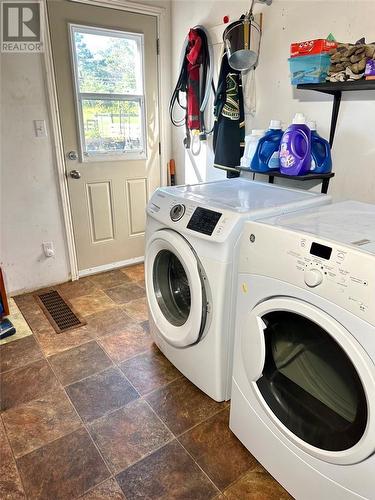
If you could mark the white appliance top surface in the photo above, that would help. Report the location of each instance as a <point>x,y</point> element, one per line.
<point>242,195</point>
<point>348,222</point>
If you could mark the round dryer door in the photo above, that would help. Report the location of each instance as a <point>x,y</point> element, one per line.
<point>314,380</point>
<point>175,289</point>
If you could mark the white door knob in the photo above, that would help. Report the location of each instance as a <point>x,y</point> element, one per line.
<point>313,277</point>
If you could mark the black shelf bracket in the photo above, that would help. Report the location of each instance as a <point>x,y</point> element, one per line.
<point>336,89</point>
<point>334,116</point>
<point>324,178</point>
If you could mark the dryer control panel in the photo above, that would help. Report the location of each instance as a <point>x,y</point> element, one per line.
<point>343,274</point>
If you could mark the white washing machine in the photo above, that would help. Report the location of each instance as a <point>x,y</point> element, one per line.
<point>303,395</point>
<point>192,236</point>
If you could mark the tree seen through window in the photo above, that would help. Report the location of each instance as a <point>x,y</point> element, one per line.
<point>109,81</point>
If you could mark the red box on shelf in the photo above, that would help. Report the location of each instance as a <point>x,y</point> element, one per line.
<point>311,47</point>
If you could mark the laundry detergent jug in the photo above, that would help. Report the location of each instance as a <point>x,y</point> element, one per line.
<point>321,159</point>
<point>295,148</point>
<point>267,155</point>
<point>251,144</point>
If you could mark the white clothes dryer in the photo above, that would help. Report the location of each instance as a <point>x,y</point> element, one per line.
<point>192,236</point>
<point>303,395</point>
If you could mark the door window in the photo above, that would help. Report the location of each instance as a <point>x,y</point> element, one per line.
<point>108,73</point>
<point>171,287</point>
<point>310,384</point>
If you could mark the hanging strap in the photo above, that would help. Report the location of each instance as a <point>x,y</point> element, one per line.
<point>197,52</point>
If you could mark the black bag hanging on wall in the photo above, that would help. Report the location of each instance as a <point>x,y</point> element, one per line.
<point>229,128</point>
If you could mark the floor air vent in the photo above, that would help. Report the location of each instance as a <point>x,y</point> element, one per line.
<point>59,313</point>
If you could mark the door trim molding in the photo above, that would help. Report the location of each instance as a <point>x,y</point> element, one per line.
<point>160,14</point>
<point>58,144</point>
<point>137,8</point>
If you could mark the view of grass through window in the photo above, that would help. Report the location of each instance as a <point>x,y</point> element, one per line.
<point>110,90</point>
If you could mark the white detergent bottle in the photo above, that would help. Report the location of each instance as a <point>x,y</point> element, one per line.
<point>251,144</point>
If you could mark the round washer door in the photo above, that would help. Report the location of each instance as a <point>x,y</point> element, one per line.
<point>175,290</point>
<point>314,380</point>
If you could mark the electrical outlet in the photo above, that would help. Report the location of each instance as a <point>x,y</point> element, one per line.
<point>40,128</point>
<point>48,249</point>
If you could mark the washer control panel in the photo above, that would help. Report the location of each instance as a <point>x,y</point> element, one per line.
<point>204,220</point>
<point>341,273</point>
<point>189,217</point>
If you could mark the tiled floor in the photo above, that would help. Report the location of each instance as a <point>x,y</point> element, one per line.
<point>100,413</point>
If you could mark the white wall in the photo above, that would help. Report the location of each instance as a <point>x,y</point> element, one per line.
<point>30,201</point>
<point>31,210</point>
<point>285,22</point>
<point>185,15</point>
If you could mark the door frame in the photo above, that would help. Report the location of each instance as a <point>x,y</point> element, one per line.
<point>160,14</point>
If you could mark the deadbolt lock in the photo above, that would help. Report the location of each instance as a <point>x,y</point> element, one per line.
<point>72,155</point>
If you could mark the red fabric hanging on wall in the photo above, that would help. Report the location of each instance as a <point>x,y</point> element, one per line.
<point>193,56</point>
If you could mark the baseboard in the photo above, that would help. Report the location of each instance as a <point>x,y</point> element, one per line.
<point>109,267</point>
<point>23,291</point>
<point>84,272</point>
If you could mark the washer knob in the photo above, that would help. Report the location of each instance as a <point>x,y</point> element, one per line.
<point>177,212</point>
<point>313,277</point>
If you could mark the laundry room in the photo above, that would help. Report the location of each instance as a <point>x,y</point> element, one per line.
<point>187,249</point>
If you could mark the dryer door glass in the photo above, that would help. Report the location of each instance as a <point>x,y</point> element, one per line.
<point>171,287</point>
<point>310,384</point>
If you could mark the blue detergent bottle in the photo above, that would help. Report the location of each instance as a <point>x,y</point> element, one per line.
<point>266,156</point>
<point>321,159</point>
<point>295,148</point>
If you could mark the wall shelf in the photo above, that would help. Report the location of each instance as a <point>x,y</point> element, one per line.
<point>336,89</point>
<point>324,178</point>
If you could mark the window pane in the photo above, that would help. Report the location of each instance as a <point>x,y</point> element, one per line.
<point>112,126</point>
<point>108,62</point>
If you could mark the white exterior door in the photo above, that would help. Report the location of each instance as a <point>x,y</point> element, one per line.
<point>105,63</point>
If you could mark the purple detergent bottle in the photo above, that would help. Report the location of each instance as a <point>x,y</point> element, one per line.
<point>295,148</point>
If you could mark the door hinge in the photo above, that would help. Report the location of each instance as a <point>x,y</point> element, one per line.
<point>159,148</point>
<point>158,46</point>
